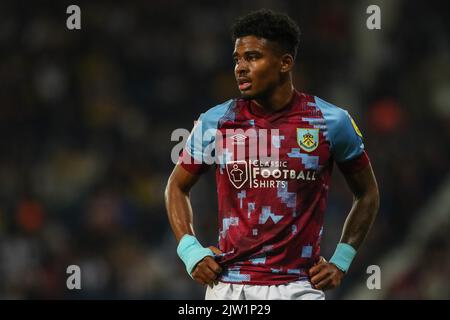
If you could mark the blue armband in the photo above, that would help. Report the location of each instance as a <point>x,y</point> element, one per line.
<point>192,252</point>
<point>343,256</point>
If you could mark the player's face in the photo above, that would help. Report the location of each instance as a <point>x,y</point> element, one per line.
<point>257,66</point>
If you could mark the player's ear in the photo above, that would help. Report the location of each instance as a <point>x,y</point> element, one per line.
<point>287,62</point>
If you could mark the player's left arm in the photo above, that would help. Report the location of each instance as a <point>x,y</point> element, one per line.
<point>347,148</point>
<point>365,206</point>
<point>328,275</point>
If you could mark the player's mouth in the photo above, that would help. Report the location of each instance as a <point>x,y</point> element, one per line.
<point>244,84</point>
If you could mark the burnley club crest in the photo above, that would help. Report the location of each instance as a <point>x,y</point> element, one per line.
<point>308,139</point>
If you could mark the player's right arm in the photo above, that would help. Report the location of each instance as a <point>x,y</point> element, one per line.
<point>199,261</point>
<point>198,154</point>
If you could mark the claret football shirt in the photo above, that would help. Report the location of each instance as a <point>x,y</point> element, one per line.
<point>273,171</point>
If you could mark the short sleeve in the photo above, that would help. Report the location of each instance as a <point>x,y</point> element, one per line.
<point>199,151</point>
<point>345,138</point>
<point>195,157</point>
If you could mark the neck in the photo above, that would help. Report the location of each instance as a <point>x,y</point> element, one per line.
<point>277,99</point>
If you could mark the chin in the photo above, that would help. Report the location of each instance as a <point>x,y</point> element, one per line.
<point>247,95</point>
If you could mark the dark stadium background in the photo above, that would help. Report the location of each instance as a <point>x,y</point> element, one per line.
<point>86,118</point>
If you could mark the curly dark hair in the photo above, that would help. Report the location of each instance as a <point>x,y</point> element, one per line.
<point>276,27</point>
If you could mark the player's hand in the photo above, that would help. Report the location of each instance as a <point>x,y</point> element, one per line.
<point>207,270</point>
<point>215,250</point>
<point>325,275</point>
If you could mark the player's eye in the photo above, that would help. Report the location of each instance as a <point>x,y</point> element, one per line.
<point>252,57</point>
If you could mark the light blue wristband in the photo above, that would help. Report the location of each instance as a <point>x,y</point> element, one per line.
<point>343,256</point>
<point>192,252</point>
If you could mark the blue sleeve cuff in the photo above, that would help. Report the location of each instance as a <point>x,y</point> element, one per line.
<point>192,252</point>
<point>343,256</point>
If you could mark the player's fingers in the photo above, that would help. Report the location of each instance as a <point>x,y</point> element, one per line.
<point>315,269</point>
<point>319,277</point>
<point>208,274</point>
<point>215,269</point>
<point>210,277</point>
<point>204,277</point>
<point>199,273</point>
<point>197,276</point>
<point>215,250</point>
<point>213,265</point>
<point>323,284</point>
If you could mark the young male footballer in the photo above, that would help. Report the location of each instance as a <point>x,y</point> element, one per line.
<point>273,150</point>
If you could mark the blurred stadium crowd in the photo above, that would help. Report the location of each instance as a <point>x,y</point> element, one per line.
<point>86,118</point>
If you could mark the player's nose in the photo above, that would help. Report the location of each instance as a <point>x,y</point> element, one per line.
<point>241,69</point>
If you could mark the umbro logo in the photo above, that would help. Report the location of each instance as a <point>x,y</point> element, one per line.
<point>238,139</point>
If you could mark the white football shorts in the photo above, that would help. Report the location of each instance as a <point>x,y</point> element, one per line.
<point>297,290</point>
